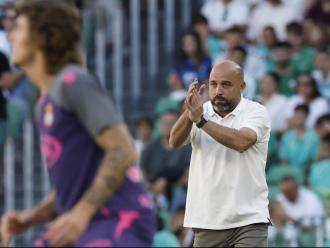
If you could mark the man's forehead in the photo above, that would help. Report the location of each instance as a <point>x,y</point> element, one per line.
<point>218,75</point>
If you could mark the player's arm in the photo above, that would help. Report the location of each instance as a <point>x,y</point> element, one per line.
<point>119,155</point>
<point>18,222</point>
<point>44,212</point>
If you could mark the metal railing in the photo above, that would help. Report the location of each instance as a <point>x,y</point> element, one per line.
<point>25,176</point>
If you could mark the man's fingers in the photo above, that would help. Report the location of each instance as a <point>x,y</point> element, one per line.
<point>192,86</point>
<point>201,89</point>
<point>195,101</point>
<point>189,98</point>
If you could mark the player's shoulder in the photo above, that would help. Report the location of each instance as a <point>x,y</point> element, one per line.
<point>73,74</point>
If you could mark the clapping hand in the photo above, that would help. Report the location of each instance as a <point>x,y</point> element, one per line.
<point>194,101</point>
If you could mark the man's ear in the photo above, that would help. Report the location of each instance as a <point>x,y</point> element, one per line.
<point>243,85</point>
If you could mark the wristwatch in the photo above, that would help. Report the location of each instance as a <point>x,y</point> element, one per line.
<point>202,121</point>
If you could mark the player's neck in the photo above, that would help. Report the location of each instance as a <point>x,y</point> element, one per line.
<point>37,72</point>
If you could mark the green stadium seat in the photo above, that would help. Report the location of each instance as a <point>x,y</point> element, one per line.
<point>277,172</point>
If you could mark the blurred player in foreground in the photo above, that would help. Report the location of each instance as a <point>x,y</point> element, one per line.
<point>97,198</point>
<point>227,201</point>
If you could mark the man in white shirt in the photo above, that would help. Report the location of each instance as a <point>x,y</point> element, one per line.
<point>227,201</point>
<point>223,14</point>
<point>300,204</point>
<point>273,13</point>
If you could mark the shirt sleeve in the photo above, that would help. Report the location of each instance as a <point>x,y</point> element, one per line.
<point>258,121</point>
<point>88,100</point>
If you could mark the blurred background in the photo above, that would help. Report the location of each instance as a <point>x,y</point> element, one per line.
<point>146,53</point>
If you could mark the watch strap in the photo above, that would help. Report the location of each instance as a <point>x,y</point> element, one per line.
<point>201,123</point>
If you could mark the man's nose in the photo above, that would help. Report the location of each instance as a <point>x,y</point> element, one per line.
<point>219,91</point>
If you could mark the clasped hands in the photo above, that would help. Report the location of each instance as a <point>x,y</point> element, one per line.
<point>194,101</point>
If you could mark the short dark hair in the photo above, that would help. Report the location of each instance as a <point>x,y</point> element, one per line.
<point>199,19</point>
<point>295,28</point>
<point>323,50</point>
<point>282,44</point>
<point>322,119</point>
<point>289,178</point>
<point>145,119</point>
<point>240,49</point>
<point>234,29</point>
<point>170,111</point>
<point>274,75</point>
<point>55,28</point>
<point>326,138</point>
<point>302,107</point>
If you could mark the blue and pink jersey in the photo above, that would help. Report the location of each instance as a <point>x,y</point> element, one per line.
<point>74,110</point>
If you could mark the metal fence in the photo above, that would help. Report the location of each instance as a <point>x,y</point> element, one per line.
<point>134,43</point>
<point>25,178</point>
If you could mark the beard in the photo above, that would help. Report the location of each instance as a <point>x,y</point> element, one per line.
<point>221,104</point>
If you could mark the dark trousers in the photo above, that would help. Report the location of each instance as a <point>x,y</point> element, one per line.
<point>254,235</point>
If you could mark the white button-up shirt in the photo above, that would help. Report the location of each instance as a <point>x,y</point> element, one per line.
<point>226,188</point>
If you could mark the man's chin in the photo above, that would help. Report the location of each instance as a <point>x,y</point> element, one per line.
<point>221,108</point>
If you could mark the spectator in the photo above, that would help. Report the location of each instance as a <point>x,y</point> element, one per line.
<point>302,57</point>
<point>177,91</point>
<point>234,37</point>
<point>317,179</point>
<point>4,67</point>
<point>299,147</point>
<point>300,204</point>
<point>210,43</point>
<point>8,22</point>
<point>283,66</point>
<point>265,48</point>
<point>143,129</point>
<point>239,55</point>
<point>307,94</point>
<point>273,100</point>
<point>322,126</point>
<point>270,13</point>
<point>316,35</point>
<point>161,166</point>
<point>299,6</point>
<point>191,61</point>
<point>322,73</point>
<point>185,235</point>
<point>223,14</point>
<point>163,236</point>
<point>277,237</point>
<point>320,12</point>
<point>18,90</point>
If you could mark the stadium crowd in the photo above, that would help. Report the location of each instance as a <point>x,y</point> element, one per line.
<point>284,48</point>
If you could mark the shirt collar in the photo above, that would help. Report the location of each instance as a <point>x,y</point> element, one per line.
<point>235,112</point>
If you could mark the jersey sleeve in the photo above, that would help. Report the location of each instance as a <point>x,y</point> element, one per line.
<point>258,120</point>
<point>88,100</point>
